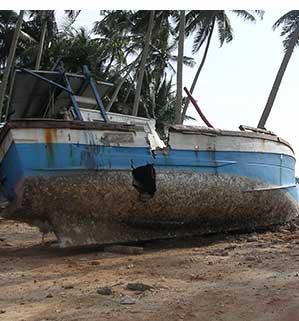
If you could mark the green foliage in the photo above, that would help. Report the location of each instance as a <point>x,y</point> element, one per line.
<point>115,42</point>
<point>200,24</point>
<point>288,23</point>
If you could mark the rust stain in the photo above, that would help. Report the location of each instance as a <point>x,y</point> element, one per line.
<point>50,138</point>
<point>50,135</point>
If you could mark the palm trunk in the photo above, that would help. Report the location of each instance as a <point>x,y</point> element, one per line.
<point>278,79</point>
<point>198,70</point>
<point>143,62</point>
<point>120,84</point>
<point>109,64</point>
<point>179,91</point>
<point>41,40</point>
<point>10,59</point>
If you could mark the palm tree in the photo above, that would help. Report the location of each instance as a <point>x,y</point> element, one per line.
<point>45,15</point>
<point>124,32</point>
<point>179,83</point>
<point>8,20</point>
<point>114,35</point>
<point>290,29</point>
<point>202,23</point>
<point>48,28</point>
<point>141,68</point>
<point>128,70</point>
<point>10,59</point>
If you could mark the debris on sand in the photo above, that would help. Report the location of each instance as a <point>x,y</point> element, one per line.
<point>127,300</point>
<point>106,290</point>
<point>141,287</point>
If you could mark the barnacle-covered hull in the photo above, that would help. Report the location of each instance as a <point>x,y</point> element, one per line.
<point>94,183</point>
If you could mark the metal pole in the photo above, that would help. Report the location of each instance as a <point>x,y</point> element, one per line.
<point>32,73</point>
<point>95,92</point>
<point>69,89</point>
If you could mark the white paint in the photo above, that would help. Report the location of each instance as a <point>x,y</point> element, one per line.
<point>228,142</point>
<point>147,124</point>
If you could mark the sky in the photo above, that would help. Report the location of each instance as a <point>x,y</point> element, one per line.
<point>237,78</point>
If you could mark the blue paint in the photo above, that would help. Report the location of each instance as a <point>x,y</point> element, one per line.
<point>95,92</point>
<point>23,160</point>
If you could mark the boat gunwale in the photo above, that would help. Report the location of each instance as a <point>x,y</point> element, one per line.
<point>191,130</point>
<point>29,123</point>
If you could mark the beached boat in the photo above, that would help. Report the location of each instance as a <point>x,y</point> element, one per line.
<point>95,177</point>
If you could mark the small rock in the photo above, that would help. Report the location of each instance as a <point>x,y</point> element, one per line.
<point>220,253</point>
<point>67,287</point>
<point>49,295</point>
<point>2,311</point>
<point>250,258</point>
<point>230,247</point>
<point>106,290</point>
<point>141,287</point>
<point>197,277</point>
<point>252,237</point>
<point>127,300</point>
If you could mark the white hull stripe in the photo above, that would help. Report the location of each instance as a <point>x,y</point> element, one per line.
<point>140,139</point>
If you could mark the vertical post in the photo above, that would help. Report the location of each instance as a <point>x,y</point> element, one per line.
<point>179,83</point>
<point>71,94</point>
<point>95,92</point>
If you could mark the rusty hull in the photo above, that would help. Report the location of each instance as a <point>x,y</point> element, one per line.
<point>104,207</point>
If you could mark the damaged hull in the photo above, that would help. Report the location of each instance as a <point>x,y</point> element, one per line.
<point>79,182</point>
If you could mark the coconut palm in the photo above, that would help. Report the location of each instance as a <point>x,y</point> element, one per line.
<point>202,25</point>
<point>47,25</point>
<point>10,59</point>
<point>179,83</point>
<point>8,20</point>
<point>141,68</point>
<point>113,32</point>
<point>290,30</point>
<point>124,32</point>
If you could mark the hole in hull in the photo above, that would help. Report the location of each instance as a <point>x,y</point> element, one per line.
<point>144,180</point>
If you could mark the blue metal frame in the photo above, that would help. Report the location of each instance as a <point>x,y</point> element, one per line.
<point>95,92</point>
<point>68,85</point>
<point>32,73</point>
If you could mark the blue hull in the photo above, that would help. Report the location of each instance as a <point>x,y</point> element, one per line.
<point>27,160</point>
<point>86,193</point>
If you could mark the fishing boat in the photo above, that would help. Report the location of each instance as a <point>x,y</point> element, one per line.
<point>95,177</point>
